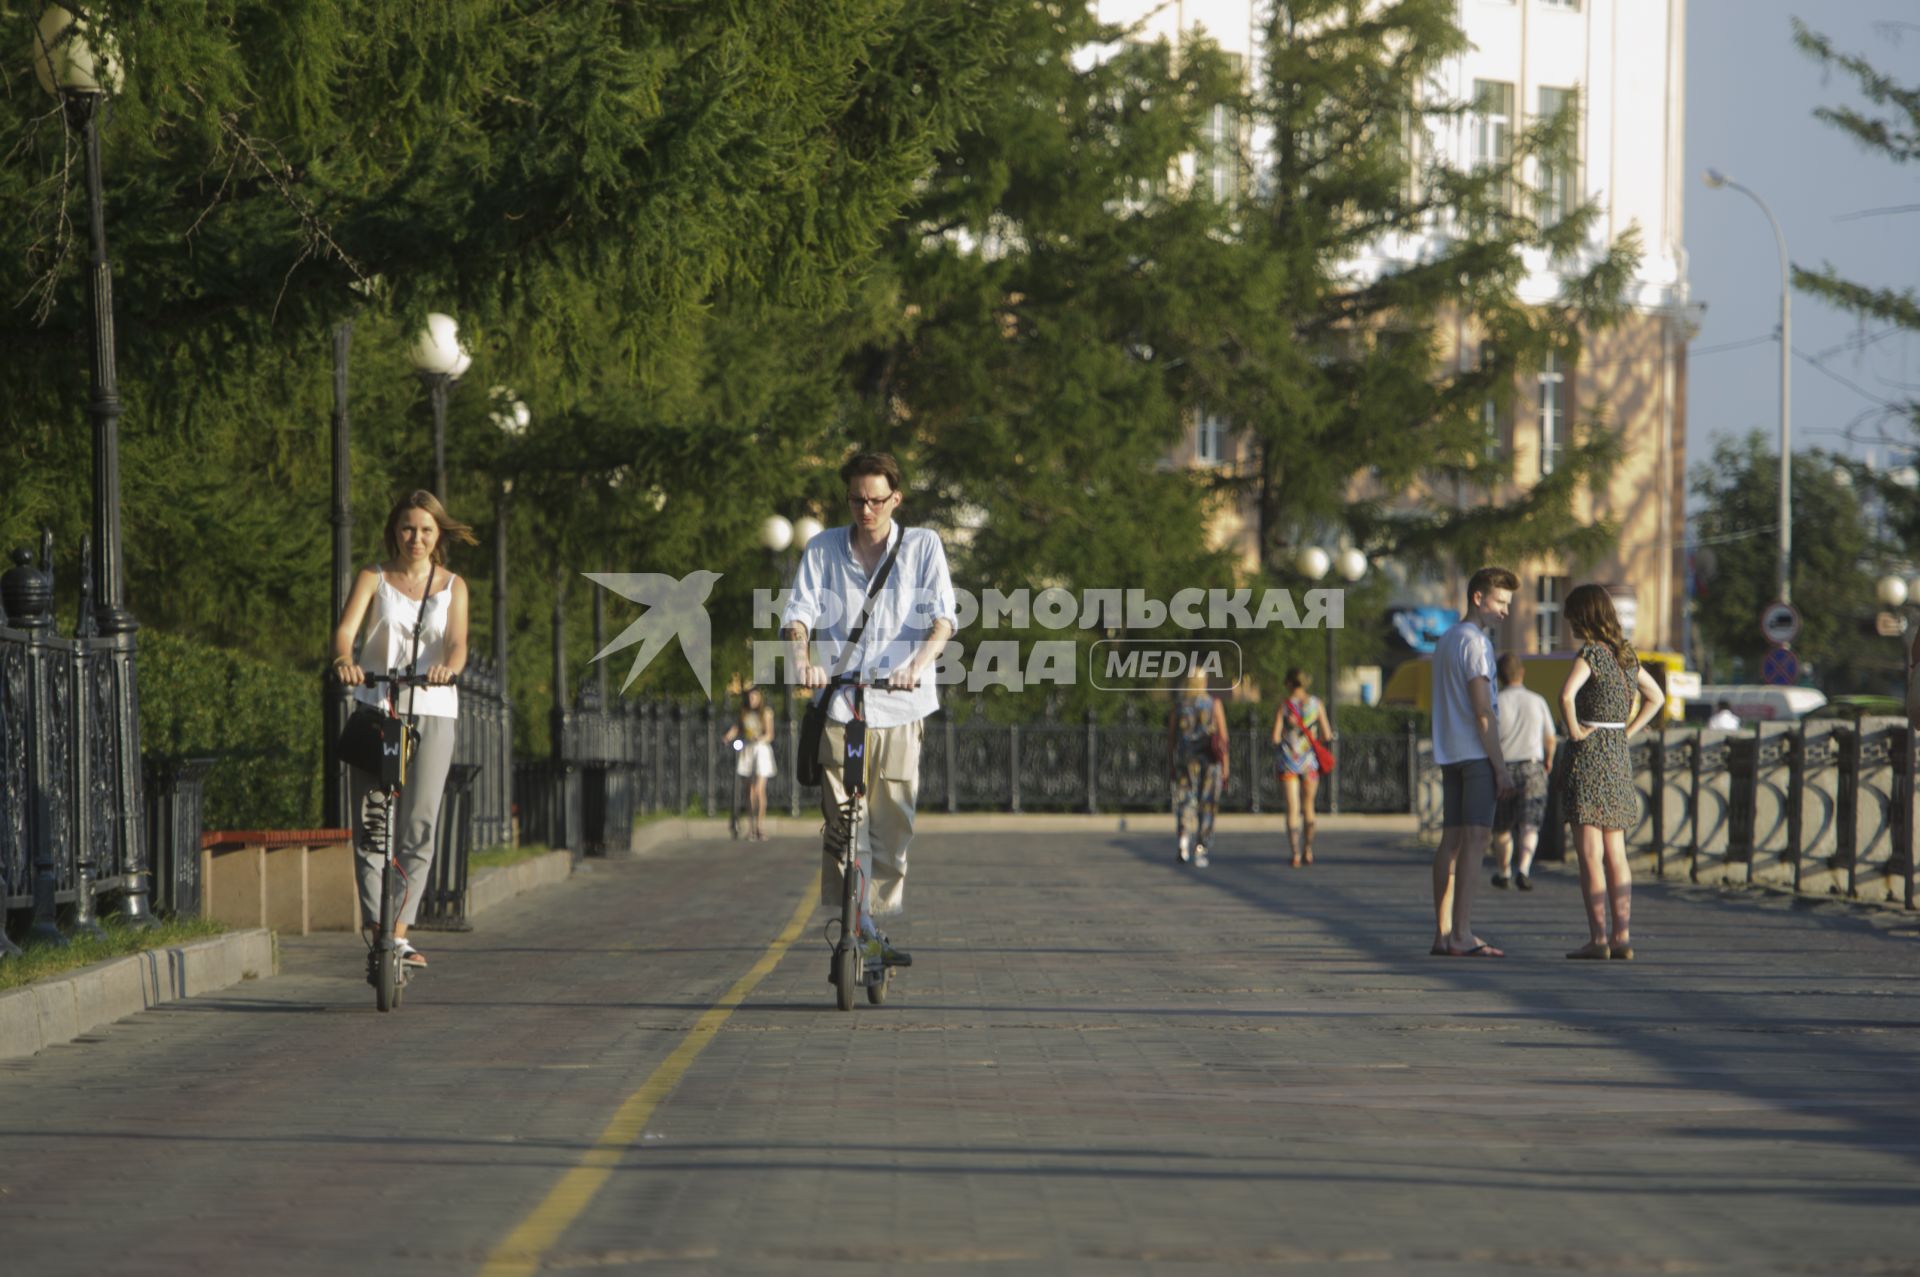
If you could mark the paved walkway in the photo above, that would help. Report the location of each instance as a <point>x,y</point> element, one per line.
<point>1103,1063</point>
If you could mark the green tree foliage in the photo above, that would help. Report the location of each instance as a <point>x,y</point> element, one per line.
<point>1889,125</point>
<point>1833,590</point>
<point>1103,256</point>
<point>639,214</point>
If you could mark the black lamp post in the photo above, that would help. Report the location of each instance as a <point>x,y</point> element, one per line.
<point>78,62</point>
<point>1314,563</point>
<point>338,699</point>
<point>439,360</point>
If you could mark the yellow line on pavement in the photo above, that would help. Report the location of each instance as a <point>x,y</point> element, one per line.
<point>521,1253</point>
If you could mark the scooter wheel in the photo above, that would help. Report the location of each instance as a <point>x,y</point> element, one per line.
<point>877,992</point>
<point>845,976</point>
<point>387,986</point>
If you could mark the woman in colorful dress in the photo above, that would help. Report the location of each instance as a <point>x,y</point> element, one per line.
<point>1195,722</point>
<point>1597,705</point>
<point>1300,719</point>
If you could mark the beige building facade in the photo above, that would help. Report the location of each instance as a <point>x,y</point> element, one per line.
<point>1621,62</point>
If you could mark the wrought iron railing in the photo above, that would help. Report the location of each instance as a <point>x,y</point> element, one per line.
<point>1824,808</point>
<point>674,754</point>
<point>72,817</point>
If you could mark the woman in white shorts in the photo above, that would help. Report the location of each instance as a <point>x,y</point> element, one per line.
<point>751,737</point>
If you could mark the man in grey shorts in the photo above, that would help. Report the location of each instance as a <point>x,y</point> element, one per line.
<point>1466,747</point>
<point>1526,743</point>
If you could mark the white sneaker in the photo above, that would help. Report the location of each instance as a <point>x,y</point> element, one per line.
<point>1186,853</point>
<point>1200,860</point>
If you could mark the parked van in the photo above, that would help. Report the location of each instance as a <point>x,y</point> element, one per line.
<point>1762,703</point>
<point>1546,673</point>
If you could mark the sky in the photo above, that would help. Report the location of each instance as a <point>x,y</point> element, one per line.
<point>1750,97</point>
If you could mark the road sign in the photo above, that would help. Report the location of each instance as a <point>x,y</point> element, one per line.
<point>1779,667</point>
<point>1779,623</point>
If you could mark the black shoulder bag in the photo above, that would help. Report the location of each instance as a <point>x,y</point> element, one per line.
<point>375,741</point>
<point>807,769</point>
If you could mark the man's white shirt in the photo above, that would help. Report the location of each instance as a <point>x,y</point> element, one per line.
<point>829,590</point>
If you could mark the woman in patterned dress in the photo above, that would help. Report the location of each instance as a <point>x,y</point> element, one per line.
<point>1597,704</point>
<point>1299,719</point>
<point>1192,724</point>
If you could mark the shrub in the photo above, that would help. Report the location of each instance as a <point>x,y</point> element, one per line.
<point>261,721</point>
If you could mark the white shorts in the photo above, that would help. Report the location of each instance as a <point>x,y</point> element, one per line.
<point>756,759</point>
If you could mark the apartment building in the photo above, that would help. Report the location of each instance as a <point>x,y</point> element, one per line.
<point>1621,62</point>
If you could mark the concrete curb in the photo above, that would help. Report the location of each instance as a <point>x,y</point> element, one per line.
<point>60,1009</point>
<point>492,887</point>
<point>657,835</point>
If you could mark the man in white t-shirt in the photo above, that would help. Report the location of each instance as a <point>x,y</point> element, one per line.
<point>1724,719</point>
<point>1466,748</point>
<point>1526,743</point>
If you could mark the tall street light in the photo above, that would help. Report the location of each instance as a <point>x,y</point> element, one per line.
<point>1314,564</point>
<point>1715,178</point>
<point>79,64</point>
<point>439,360</point>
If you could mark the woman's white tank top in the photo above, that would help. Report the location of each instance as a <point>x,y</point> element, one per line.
<point>389,643</point>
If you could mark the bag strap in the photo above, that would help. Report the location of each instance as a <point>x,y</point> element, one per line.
<point>866,609</point>
<point>419,622</point>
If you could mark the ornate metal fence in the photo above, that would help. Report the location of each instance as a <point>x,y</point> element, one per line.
<point>970,763</point>
<point>1824,808</point>
<point>72,818</point>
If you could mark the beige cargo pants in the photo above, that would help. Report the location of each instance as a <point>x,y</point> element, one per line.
<point>886,814</point>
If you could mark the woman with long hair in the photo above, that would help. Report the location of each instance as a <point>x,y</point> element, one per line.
<point>753,732</point>
<point>1597,703</point>
<point>1196,721</point>
<point>1300,718</point>
<point>410,593</point>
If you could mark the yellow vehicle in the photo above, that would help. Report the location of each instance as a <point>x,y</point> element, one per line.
<point>1546,673</point>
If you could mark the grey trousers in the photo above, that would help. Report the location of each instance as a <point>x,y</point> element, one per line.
<point>413,832</point>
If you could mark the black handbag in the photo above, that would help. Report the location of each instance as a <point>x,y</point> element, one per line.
<point>813,726</point>
<point>372,742</point>
<point>375,741</point>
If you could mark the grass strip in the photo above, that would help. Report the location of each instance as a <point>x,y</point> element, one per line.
<point>499,857</point>
<point>42,959</point>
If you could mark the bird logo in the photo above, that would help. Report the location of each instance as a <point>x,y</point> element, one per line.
<point>676,608</point>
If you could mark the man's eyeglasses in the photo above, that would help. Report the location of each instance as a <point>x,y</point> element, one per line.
<point>859,503</point>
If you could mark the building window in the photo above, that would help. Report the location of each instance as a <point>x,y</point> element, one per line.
<point>1549,593</point>
<point>1559,174</point>
<point>1571,6</point>
<point>1553,414</point>
<point>1221,143</point>
<point>1493,131</point>
<point>1490,410</point>
<point>1209,440</point>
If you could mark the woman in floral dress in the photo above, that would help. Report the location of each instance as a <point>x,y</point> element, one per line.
<point>1300,718</point>
<point>1597,704</point>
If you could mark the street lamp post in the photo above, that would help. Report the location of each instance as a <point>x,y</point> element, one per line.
<point>339,699</point>
<point>1314,564</point>
<point>1715,178</point>
<point>78,63</point>
<point>439,360</point>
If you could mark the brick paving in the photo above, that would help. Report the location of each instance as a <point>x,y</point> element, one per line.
<point>1102,1063</point>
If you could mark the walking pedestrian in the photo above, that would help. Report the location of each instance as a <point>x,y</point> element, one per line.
<point>1723,718</point>
<point>1597,702</point>
<point>1299,732</point>
<point>1466,748</point>
<point>408,601</point>
<point>753,730</point>
<point>1526,742</point>
<point>1197,759</point>
<point>911,619</point>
